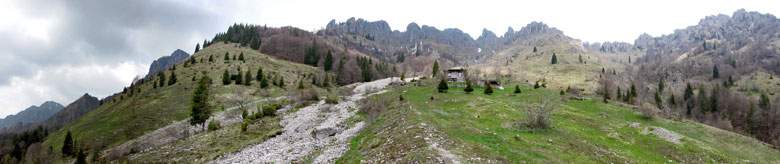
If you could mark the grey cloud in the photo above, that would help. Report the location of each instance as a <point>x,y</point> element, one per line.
<point>98,31</point>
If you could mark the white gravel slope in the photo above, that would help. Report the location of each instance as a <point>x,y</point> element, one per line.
<point>300,139</point>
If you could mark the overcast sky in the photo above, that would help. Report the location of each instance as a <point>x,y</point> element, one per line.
<point>59,50</point>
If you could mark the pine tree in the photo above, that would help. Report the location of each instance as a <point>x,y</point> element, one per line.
<point>715,73</point>
<point>192,60</point>
<point>602,70</point>
<point>517,89</point>
<point>534,48</point>
<point>67,146</point>
<point>227,57</point>
<point>199,111</point>
<point>714,99</point>
<point>536,85</point>
<point>629,59</point>
<point>239,78</point>
<point>619,95</point>
<point>162,79</point>
<point>211,58</point>
<point>325,81</point>
<point>255,43</point>
<point>688,92</point>
<point>402,76</point>
<point>469,87</point>
<point>672,101</point>
<point>339,79</point>
<point>554,59</point>
<point>443,86</point>
<point>661,85</point>
<point>248,78</point>
<point>311,57</point>
<point>226,78</point>
<point>658,101</point>
<point>488,88</point>
<point>197,47</point>
<point>281,82</point>
<point>763,101</point>
<point>328,61</point>
<point>173,78</point>
<point>264,83</point>
<point>300,84</point>
<point>81,157</point>
<point>580,58</point>
<point>733,63</point>
<point>234,57</point>
<point>259,75</point>
<point>241,56</point>
<point>435,67</point>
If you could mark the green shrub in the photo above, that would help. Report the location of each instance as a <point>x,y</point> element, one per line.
<point>331,99</point>
<point>270,109</point>
<point>517,89</point>
<point>443,86</point>
<point>213,125</point>
<point>244,126</point>
<point>469,87</point>
<point>488,89</point>
<point>244,113</point>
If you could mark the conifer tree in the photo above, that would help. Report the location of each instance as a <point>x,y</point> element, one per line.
<point>325,81</point>
<point>763,101</point>
<point>67,146</point>
<point>211,58</point>
<point>435,67</point>
<point>162,79</point>
<point>300,84</point>
<point>715,73</point>
<point>173,78</point>
<point>672,102</point>
<point>241,56</point>
<point>534,48</point>
<point>517,89</point>
<point>488,88</point>
<point>239,78</point>
<point>192,60</point>
<point>328,61</point>
<point>197,47</point>
<point>264,83</point>
<point>248,78</point>
<point>554,59</point>
<point>469,88</point>
<point>199,111</point>
<point>339,78</point>
<point>281,82</point>
<point>227,57</point>
<point>661,85</point>
<point>580,58</point>
<point>403,78</point>
<point>443,86</point>
<point>226,78</point>
<point>536,85</point>
<point>688,92</point>
<point>259,75</point>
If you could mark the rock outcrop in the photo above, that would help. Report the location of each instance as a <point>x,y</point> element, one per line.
<point>166,62</point>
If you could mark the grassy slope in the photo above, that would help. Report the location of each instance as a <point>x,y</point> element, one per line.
<point>477,128</point>
<point>114,123</point>
<point>520,62</point>
<point>205,147</point>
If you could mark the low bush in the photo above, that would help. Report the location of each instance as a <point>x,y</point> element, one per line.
<point>538,116</point>
<point>213,125</point>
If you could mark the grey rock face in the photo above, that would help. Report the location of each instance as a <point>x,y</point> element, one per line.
<point>166,62</point>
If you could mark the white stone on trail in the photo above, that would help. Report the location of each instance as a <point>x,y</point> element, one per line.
<point>301,132</point>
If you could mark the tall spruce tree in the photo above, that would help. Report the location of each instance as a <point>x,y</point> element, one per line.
<point>328,61</point>
<point>248,78</point>
<point>226,77</point>
<point>199,111</point>
<point>67,146</point>
<point>197,47</point>
<point>554,59</point>
<point>435,67</point>
<point>715,73</point>
<point>173,78</point>
<point>259,75</point>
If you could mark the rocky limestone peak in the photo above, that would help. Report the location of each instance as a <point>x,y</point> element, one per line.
<point>487,34</point>
<point>509,32</point>
<point>166,62</point>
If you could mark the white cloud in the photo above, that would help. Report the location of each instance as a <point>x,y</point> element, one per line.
<point>67,83</point>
